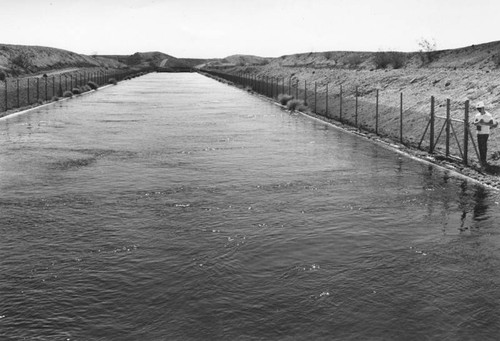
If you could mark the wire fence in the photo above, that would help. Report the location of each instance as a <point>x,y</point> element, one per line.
<point>23,92</point>
<point>439,131</point>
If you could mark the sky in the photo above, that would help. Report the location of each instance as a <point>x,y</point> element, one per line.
<point>266,28</point>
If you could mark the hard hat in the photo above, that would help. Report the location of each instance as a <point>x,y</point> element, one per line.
<point>479,105</point>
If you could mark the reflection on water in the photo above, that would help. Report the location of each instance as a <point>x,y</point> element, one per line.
<point>175,207</point>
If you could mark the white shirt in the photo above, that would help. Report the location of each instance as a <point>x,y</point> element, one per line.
<point>483,122</point>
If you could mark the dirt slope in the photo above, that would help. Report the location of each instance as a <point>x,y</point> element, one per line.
<point>470,73</point>
<point>20,60</point>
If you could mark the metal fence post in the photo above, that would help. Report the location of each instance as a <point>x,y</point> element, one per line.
<point>315,95</point>
<point>356,108</point>
<point>376,115</point>
<point>6,95</point>
<point>448,123</point>
<point>18,101</point>
<point>305,92</point>
<point>326,101</point>
<point>431,139</point>
<point>401,118</point>
<point>340,104</point>
<point>28,95</point>
<point>466,133</point>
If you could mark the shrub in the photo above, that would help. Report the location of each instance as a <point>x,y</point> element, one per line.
<point>296,104</point>
<point>93,85</point>
<point>55,99</point>
<point>496,60</point>
<point>354,60</point>
<point>328,55</point>
<point>427,50</point>
<point>67,93</point>
<point>76,91</point>
<point>284,98</point>
<point>383,59</point>
<point>398,59</point>
<point>112,81</point>
<point>22,60</point>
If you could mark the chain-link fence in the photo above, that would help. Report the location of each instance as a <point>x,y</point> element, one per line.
<point>24,92</point>
<point>374,111</point>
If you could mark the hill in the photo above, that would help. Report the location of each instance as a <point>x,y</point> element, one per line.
<point>471,73</point>
<point>18,60</point>
<point>23,60</point>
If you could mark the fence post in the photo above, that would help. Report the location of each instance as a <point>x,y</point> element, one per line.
<point>28,89</point>
<point>315,96</point>
<point>290,86</point>
<point>356,109</point>
<point>18,103</point>
<point>431,139</point>
<point>376,115</point>
<point>340,104</point>
<point>6,95</point>
<point>53,86</point>
<point>326,102</point>
<point>305,92</point>
<point>45,88</point>
<point>466,133</point>
<point>448,123</point>
<point>401,117</point>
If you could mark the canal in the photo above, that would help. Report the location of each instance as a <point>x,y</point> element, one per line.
<point>174,207</point>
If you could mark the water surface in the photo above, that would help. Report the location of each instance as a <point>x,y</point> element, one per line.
<point>174,207</point>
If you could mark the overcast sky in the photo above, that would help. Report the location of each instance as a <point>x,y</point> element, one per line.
<point>267,28</point>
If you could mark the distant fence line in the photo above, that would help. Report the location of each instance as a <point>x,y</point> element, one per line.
<point>22,92</point>
<point>364,110</point>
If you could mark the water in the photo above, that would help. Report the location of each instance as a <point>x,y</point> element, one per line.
<point>173,207</point>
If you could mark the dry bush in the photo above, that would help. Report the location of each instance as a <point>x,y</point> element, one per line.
<point>354,60</point>
<point>93,85</point>
<point>284,98</point>
<point>496,60</point>
<point>383,59</point>
<point>296,104</point>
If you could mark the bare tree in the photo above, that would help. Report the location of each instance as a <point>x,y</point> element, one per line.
<point>427,50</point>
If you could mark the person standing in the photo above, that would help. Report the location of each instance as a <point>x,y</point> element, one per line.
<point>483,121</point>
